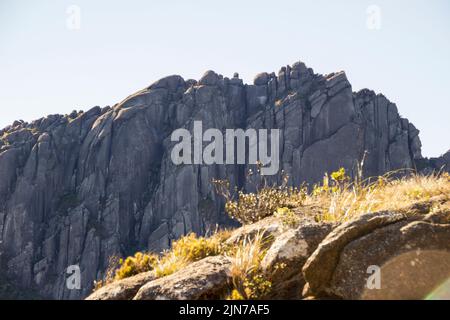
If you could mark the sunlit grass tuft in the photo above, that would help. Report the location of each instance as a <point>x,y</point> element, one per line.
<point>184,251</point>
<point>189,249</point>
<point>352,199</point>
<point>248,280</point>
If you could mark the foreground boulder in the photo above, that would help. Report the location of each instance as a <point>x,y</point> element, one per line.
<point>124,289</point>
<point>268,228</point>
<point>287,255</point>
<point>204,279</point>
<point>319,268</point>
<point>382,256</point>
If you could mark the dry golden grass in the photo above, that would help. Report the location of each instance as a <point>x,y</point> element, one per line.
<point>248,280</point>
<point>352,199</point>
<point>337,198</point>
<point>189,249</point>
<point>123,268</point>
<point>170,263</point>
<point>184,251</point>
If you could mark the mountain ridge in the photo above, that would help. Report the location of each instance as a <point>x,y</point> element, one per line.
<point>80,188</point>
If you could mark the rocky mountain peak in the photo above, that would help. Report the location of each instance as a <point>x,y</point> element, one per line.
<point>77,189</point>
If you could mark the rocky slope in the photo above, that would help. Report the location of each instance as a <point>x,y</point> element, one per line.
<point>408,249</point>
<point>79,188</point>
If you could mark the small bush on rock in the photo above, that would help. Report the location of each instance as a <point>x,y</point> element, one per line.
<point>185,250</point>
<point>190,249</point>
<point>288,217</point>
<point>140,262</point>
<point>252,207</point>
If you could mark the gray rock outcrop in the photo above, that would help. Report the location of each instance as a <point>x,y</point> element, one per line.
<point>124,289</point>
<point>410,253</point>
<point>291,250</point>
<point>80,188</point>
<point>204,279</point>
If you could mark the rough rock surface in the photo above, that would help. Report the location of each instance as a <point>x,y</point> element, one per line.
<point>204,279</point>
<point>319,268</point>
<point>79,188</point>
<point>267,228</point>
<point>289,252</point>
<point>124,289</point>
<point>411,252</point>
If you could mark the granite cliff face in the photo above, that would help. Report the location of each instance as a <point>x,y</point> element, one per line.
<point>80,188</point>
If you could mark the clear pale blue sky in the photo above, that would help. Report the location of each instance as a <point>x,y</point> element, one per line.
<point>123,46</point>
